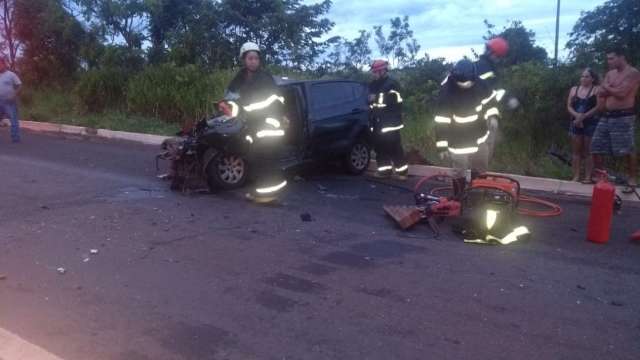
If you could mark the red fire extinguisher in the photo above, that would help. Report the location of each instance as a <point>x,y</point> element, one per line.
<point>599,227</point>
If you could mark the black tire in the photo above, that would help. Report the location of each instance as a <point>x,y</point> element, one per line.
<point>227,172</point>
<point>358,158</point>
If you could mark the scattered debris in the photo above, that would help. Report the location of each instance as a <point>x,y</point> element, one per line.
<point>616,303</point>
<point>306,217</point>
<point>3,277</point>
<point>62,271</point>
<point>93,251</point>
<point>574,230</point>
<point>86,260</point>
<point>322,188</point>
<point>44,207</point>
<point>581,287</point>
<point>336,196</point>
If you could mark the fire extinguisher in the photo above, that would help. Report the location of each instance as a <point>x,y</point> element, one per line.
<point>601,214</point>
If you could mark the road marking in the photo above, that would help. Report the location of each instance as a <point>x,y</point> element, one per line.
<point>12,347</point>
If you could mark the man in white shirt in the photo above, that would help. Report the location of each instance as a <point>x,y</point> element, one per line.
<point>9,86</point>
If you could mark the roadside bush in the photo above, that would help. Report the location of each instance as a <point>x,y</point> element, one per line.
<point>99,90</point>
<point>176,94</point>
<point>539,122</point>
<point>45,104</point>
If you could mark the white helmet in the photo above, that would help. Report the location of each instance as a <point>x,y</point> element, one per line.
<point>249,46</point>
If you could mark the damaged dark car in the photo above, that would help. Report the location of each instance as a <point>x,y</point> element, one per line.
<point>327,121</point>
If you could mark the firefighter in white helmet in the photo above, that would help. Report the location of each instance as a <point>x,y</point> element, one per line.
<point>254,94</point>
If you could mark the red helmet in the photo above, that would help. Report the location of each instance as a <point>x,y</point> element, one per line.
<point>379,65</point>
<point>498,46</point>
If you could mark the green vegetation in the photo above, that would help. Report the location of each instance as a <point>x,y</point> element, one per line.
<point>59,106</point>
<point>157,65</point>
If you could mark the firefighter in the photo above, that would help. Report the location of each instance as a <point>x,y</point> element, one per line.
<point>496,49</point>
<point>254,95</point>
<point>386,115</point>
<point>465,105</point>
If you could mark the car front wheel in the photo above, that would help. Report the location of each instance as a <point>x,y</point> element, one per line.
<point>227,172</point>
<point>358,158</point>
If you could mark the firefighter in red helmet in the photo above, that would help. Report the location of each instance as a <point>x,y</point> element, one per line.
<point>386,117</point>
<point>496,49</point>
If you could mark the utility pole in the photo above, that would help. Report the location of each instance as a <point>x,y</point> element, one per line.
<point>555,56</point>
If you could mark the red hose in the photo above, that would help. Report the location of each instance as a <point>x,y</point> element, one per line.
<point>554,209</point>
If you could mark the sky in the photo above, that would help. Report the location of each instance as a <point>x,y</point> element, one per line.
<point>450,28</point>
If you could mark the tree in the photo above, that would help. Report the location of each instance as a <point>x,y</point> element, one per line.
<point>117,19</point>
<point>335,54</point>
<point>188,32</point>
<point>9,42</point>
<point>52,40</point>
<point>358,52</point>
<point>400,47</point>
<point>522,43</point>
<point>616,22</point>
<point>287,30</point>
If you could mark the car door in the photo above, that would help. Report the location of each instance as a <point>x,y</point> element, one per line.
<point>336,109</point>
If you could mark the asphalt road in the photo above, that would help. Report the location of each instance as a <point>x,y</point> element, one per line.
<point>215,277</point>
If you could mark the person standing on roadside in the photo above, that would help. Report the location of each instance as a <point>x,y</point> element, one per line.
<point>9,86</point>
<point>615,133</point>
<point>582,104</point>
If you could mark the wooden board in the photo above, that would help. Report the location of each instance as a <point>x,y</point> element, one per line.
<point>404,216</point>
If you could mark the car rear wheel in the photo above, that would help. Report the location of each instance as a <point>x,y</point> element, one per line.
<point>358,158</point>
<point>227,172</point>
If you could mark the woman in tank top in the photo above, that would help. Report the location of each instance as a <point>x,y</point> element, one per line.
<point>582,104</point>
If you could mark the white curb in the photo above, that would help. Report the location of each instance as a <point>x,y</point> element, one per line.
<point>13,347</point>
<point>146,139</point>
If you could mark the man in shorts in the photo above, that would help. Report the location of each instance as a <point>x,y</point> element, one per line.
<point>615,134</point>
